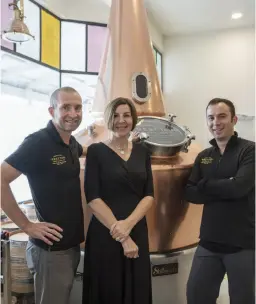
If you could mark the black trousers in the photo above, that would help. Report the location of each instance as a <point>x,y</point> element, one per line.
<point>208,270</point>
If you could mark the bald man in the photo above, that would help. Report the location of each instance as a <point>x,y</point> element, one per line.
<point>50,160</point>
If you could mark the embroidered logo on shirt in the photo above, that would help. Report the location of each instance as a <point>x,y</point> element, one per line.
<point>58,159</point>
<point>206,160</point>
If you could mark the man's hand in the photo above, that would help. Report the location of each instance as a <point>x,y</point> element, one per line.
<point>131,250</point>
<point>120,230</point>
<point>46,232</point>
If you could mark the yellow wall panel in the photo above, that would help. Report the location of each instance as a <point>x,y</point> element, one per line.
<point>50,39</point>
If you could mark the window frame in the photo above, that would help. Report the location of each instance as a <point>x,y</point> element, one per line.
<point>155,49</point>
<point>86,23</point>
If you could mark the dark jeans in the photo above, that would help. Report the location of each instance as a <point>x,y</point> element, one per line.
<point>208,270</point>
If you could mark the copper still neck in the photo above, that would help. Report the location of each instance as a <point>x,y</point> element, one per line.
<point>128,66</point>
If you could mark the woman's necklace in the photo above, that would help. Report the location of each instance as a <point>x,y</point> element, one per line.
<point>121,150</point>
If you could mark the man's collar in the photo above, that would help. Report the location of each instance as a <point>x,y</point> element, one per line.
<point>231,142</point>
<point>55,134</point>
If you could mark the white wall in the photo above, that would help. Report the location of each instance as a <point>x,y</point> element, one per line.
<point>201,67</point>
<point>156,36</point>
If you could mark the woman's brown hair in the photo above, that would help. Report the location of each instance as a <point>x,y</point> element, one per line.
<point>111,109</point>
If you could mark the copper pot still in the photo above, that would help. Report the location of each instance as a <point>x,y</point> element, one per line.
<point>128,69</point>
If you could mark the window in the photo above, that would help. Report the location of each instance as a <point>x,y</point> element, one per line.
<point>31,48</point>
<point>96,42</point>
<point>6,19</point>
<point>50,39</point>
<point>85,86</point>
<point>73,46</point>
<point>158,59</point>
<point>25,90</point>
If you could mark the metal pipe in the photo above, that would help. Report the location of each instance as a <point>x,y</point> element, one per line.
<point>7,282</point>
<point>22,10</point>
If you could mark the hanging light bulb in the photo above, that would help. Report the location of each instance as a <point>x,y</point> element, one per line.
<point>18,31</point>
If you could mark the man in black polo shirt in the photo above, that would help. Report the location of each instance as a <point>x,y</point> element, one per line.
<point>223,179</point>
<point>50,160</point>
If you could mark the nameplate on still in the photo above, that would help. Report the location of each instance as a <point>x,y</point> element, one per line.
<point>165,269</point>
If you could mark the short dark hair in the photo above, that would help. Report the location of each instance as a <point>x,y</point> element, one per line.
<point>55,94</point>
<point>229,103</point>
<point>111,109</point>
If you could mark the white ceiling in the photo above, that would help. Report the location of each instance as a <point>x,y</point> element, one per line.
<point>172,17</point>
<point>193,16</point>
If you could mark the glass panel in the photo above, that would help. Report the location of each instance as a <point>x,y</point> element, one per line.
<point>73,46</point>
<point>85,85</point>
<point>96,41</point>
<point>50,40</point>
<point>7,16</point>
<point>155,54</point>
<point>159,67</point>
<point>141,86</point>
<point>25,94</point>
<point>31,48</point>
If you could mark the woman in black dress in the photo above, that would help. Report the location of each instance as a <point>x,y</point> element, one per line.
<point>119,190</point>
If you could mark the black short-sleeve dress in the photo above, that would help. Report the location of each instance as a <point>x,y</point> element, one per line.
<point>110,277</point>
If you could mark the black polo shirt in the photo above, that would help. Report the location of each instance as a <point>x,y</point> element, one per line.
<point>52,169</point>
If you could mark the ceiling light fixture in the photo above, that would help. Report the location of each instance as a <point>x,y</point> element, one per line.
<point>236,16</point>
<point>18,31</point>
